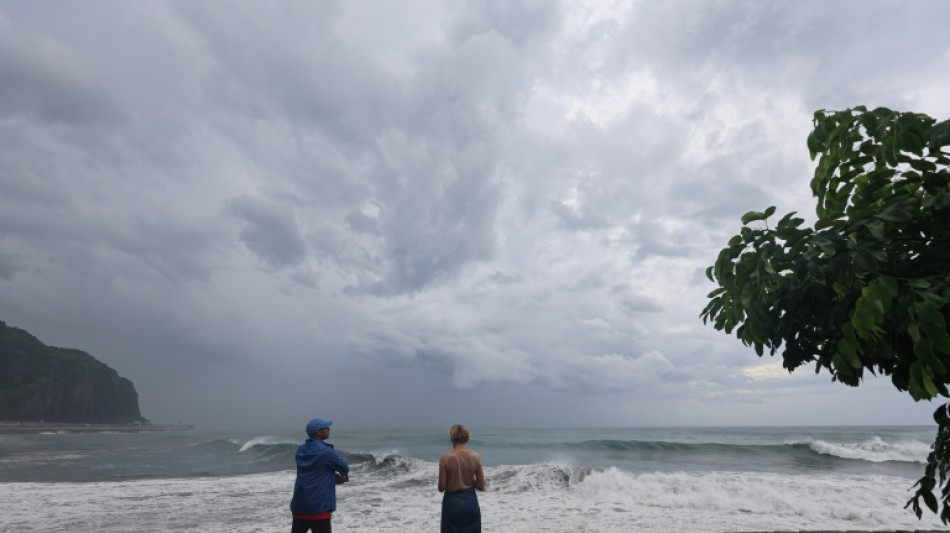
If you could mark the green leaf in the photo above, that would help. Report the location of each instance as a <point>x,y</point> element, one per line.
<point>868,313</point>
<point>813,145</point>
<point>747,295</point>
<point>889,286</point>
<point>939,337</point>
<point>923,349</point>
<point>928,313</point>
<point>847,350</point>
<point>894,214</point>
<point>889,153</point>
<point>909,141</point>
<point>914,331</point>
<point>916,387</point>
<point>929,385</point>
<point>923,165</point>
<point>941,415</point>
<point>876,229</point>
<point>752,216</point>
<point>930,500</point>
<point>826,246</point>
<point>825,223</point>
<point>821,134</point>
<point>841,364</point>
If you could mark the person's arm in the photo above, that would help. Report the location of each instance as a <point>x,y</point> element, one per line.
<point>479,475</point>
<point>337,464</point>
<point>442,476</point>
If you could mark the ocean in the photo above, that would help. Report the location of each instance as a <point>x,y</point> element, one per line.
<point>539,480</point>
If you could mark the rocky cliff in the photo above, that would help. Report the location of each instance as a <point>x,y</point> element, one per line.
<point>45,383</point>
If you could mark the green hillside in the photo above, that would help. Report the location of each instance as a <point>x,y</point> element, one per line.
<point>45,383</point>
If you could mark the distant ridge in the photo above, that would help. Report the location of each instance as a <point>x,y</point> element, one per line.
<point>40,383</point>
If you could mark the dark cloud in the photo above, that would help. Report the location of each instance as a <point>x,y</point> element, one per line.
<point>269,230</point>
<point>634,303</point>
<point>495,208</point>
<point>46,80</point>
<point>362,223</point>
<point>9,265</point>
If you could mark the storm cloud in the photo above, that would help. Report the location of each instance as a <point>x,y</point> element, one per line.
<point>413,213</point>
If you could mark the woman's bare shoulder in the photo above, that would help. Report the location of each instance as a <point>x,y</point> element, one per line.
<point>460,453</point>
<point>470,453</point>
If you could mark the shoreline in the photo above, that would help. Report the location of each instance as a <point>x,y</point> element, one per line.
<point>7,428</point>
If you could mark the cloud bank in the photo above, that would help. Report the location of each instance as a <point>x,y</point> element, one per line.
<point>415,213</point>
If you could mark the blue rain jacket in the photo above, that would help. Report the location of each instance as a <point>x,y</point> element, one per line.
<point>315,488</point>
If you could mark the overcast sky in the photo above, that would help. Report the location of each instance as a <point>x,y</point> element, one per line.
<point>422,213</point>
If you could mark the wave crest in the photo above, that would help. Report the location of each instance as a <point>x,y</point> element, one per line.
<point>263,441</point>
<point>874,450</point>
<point>537,477</point>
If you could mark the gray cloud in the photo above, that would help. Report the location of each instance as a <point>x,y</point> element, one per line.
<point>269,230</point>
<point>362,223</point>
<point>8,266</point>
<point>501,209</point>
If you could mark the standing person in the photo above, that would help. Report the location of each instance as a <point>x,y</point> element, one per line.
<point>319,469</point>
<point>460,473</point>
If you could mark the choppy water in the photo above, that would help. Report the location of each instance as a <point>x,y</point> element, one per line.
<point>660,479</point>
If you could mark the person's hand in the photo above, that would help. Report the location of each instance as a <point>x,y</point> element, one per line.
<point>342,478</point>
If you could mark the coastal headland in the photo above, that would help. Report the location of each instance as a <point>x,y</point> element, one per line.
<point>46,384</point>
<point>69,427</point>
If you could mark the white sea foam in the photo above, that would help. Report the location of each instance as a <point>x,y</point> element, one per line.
<point>263,440</point>
<point>875,450</point>
<point>380,456</point>
<point>538,498</point>
<point>41,457</point>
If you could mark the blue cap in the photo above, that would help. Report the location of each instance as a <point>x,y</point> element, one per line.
<point>317,423</point>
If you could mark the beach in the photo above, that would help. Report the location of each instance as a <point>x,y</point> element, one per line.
<point>659,479</point>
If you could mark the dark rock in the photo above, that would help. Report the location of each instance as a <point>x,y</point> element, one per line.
<point>45,383</point>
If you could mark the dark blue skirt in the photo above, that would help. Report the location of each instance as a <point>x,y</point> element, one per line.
<point>460,512</point>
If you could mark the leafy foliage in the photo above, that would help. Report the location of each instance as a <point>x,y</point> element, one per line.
<point>868,287</point>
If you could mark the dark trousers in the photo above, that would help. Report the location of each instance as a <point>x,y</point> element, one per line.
<point>460,512</point>
<point>317,526</point>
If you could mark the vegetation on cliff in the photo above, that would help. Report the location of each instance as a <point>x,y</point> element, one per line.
<point>45,383</point>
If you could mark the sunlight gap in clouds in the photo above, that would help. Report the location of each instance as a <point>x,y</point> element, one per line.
<point>770,370</point>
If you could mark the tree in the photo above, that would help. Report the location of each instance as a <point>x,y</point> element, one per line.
<point>868,287</point>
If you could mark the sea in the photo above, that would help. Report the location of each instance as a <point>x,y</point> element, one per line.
<point>539,480</point>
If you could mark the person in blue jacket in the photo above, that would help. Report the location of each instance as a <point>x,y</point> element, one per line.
<point>319,470</point>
